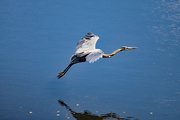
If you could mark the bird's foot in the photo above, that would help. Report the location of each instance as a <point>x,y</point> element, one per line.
<point>60,75</point>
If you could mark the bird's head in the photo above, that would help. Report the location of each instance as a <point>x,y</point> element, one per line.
<point>128,48</point>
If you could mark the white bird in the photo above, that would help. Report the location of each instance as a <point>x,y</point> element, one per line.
<point>86,51</point>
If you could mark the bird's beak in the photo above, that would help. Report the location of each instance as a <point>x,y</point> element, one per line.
<point>130,48</point>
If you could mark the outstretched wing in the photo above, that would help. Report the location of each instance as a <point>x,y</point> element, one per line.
<point>94,55</point>
<point>88,43</point>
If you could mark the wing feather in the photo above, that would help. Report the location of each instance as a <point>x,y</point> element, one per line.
<point>94,55</point>
<point>88,43</point>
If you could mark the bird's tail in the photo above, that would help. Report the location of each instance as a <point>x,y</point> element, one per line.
<point>64,72</point>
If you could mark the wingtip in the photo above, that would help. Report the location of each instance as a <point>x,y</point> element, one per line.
<point>89,33</point>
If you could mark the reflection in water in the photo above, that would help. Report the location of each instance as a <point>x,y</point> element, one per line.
<point>87,115</point>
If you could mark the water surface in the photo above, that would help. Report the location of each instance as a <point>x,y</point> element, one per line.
<point>37,39</point>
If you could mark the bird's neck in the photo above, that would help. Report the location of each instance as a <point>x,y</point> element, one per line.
<point>112,54</point>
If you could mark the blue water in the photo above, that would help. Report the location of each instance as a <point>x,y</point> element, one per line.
<point>37,39</point>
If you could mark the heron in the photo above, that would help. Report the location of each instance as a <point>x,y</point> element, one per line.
<point>86,51</point>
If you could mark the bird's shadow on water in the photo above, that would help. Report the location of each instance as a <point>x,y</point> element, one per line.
<point>87,115</point>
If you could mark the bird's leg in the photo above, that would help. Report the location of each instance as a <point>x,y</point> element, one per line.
<point>64,104</point>
<point>64,72</point>
<point>118,50</point>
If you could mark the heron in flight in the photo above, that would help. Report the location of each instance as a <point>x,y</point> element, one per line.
<point>86,51</point>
